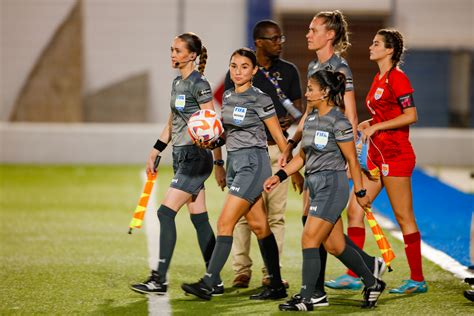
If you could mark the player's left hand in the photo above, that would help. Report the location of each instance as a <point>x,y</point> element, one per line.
<point>271,183</point>
<point>219,174</point>
<point>368,132</point>
<point>297,181</point>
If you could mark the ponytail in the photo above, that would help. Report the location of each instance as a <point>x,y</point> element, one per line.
<point>202,60</point>
<point>335,21</point>
<point>335,85</point>
<point>194,44</point>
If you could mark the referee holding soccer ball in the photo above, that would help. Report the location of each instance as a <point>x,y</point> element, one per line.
<point>192,165</point>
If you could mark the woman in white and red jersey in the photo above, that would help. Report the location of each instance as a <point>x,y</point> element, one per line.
<point>390,103</point>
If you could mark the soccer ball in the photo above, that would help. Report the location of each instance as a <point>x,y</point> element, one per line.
<point>205,126</point>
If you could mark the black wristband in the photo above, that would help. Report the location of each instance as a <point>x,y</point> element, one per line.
<point>219,162</point>
<point>282,175</point>
<point>361,193</point>
<point>159,145</point>
<point>293,142</point>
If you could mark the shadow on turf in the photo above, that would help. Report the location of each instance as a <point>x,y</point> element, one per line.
<point>140,307</point>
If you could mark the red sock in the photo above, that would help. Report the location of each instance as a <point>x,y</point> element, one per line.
<point>413,252</point>
<point>357,235</point>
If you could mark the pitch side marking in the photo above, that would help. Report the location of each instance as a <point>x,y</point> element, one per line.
<point>438,257</point>
<point>157,304</point>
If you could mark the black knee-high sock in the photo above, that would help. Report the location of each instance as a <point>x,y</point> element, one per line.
<point>304,218</point>
<point>353,260</point>
<point>311,268</point>
<point>218,259</point>
<point>167,239</point>
<point>369,260</point>
<point>269,249</point>
<point>323,255</point>
<point>205,235</point>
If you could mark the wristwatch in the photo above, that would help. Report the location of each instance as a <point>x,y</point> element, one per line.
<point>361,193</point>
<point>219,162</point>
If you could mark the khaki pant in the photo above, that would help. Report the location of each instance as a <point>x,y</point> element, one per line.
<point>275,203</point>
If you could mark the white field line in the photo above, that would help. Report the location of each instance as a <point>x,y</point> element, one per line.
<point>157,304</point>
<point>438,257</point>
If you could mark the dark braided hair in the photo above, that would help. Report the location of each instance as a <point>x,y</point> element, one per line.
<point>334,83</point>
<point>335,21</point>
<point>393,39</point>
<point>194,45</point>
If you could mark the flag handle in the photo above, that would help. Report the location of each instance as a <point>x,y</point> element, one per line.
<point>155,168</point>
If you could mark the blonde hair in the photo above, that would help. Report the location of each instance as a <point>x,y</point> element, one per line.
<point>335,21</point>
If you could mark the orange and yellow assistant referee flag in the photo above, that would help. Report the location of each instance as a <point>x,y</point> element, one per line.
<point>140,210</point>
<point>385,248</point>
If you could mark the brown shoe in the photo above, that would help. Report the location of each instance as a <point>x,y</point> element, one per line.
<point>241,281</point>
<point>266,282</point>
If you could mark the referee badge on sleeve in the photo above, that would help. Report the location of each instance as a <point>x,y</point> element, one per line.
<point>321,139</point>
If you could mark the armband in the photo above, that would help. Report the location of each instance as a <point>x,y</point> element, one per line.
<point>406,101</point>
<point>159,145</point>
<point>282,175</point>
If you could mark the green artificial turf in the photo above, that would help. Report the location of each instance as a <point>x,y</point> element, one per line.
<point>65,250</point>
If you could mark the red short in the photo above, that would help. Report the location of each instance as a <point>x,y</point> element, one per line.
<point>392,162</point>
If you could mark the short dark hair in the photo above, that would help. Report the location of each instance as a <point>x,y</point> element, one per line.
<point>261,26</point>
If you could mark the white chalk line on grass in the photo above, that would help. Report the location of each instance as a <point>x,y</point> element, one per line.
<point>438,257</point>
<point>157,304</point>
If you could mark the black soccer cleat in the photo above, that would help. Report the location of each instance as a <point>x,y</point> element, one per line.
<point>469,281</point>
<point>270,293</point>
<point>151,286</point>
<point>317,300</point>
<point>199,289</point>
<point>298,305</point>
<point>372,294</point>
<point>218,289</point>
<point>469,294</point>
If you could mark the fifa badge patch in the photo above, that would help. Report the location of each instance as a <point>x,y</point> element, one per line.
<point>321,139</point>
<point>239,114</point>
<point>378,93</point>
<point>180,102</point>
<point>385,169</point>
